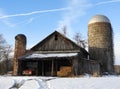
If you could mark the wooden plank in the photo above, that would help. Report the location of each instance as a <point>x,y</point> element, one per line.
<point>42,68</point>
<point>52,68</point>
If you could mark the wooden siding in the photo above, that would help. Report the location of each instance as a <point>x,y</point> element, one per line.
<point>55,45</point>
<point>57,42</point>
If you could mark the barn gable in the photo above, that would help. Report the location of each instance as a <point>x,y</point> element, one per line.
<point>56,42</point>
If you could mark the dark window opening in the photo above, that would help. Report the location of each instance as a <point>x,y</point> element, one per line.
<point>56,37</point>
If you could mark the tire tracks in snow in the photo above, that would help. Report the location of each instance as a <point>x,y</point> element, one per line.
<point>41,82</point>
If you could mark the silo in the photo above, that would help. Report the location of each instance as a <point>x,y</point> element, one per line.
<point>100,42</point>
<point>20,49</point>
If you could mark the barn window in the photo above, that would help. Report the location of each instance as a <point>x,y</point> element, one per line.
<point>56,37</point>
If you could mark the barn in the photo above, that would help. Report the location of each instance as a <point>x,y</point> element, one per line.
<point>56,55</point>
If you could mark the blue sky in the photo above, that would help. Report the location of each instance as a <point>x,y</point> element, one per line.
<point>38,18</point>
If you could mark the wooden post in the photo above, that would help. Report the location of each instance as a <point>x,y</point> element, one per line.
<point>19,68</point>
<point>52,68</point>
<point>75,66</point>
<point>42,68</point>
<point>56,67</point>
<point>37,68</point>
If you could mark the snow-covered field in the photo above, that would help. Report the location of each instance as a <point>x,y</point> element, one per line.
<point>108,82</point>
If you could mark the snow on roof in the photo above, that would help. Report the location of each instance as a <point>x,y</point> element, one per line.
<point>36,55</point>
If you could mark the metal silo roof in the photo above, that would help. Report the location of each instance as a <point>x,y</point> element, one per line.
<point>99,18</point>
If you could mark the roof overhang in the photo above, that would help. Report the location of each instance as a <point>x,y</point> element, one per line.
<point>50,55</point>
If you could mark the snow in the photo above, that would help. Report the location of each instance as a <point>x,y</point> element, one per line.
<point>6,83</point>
<point>31,84</point>
<point>87,82</point>
<point>50,55</point>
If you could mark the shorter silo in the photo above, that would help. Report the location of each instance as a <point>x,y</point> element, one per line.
<point>20,49</point>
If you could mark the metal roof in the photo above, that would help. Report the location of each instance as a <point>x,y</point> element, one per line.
<point>99,18</point>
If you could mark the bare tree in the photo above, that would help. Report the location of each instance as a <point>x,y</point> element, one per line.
<point>2,45</point>
<point>2,40</point>
<point>6,55</point>
<point>5,50</point>
<point>64,30</point>
<point>79,40</point>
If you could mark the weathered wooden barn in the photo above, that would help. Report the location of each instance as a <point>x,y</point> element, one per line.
<point>56,55</point>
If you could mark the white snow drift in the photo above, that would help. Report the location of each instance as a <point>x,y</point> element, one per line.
<point>109,82</point>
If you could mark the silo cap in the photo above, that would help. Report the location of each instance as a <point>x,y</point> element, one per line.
<point>20,36</point>
<point>99,18</point>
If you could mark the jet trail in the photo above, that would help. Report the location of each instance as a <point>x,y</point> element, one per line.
<point>34,12</point>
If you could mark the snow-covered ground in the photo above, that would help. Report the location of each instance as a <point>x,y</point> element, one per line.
<point>108,82</point>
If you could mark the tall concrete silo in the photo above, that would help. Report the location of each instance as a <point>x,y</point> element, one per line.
<point>100,41</point>
<point>20,49</point>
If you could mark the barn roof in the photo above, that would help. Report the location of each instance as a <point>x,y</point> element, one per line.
<point>67,41</point>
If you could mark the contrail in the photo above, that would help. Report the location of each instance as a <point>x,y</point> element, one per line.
<point>34,12</point>
<point>107,2</point>
<point>52,10</point>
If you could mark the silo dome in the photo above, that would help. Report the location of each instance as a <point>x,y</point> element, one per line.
<point>99,18</point>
